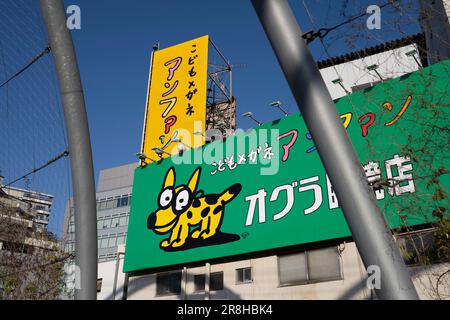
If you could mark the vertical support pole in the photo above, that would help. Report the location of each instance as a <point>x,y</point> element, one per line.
<point>79,147</point>
<point>116,273</point>
<point>357,200</point>
<point>125,287</point>
<point>183,283</point>
<point>144,127</point>
<point>207,280</point>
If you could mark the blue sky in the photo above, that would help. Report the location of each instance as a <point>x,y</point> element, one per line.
<point>115,41</point>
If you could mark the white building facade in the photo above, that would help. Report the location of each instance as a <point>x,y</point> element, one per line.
<point>114,188</point>
<point>36,204</point>
<point>362,69</point>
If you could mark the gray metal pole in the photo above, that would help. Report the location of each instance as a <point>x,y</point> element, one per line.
<point>79,147</point>
<point>116,272</point>
<point>125,287</point>
<point>357,200</point>
<point>208,281</point>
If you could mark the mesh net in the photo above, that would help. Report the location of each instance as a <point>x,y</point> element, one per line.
<point>32,132</point>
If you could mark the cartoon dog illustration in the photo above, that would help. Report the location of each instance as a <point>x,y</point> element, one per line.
<point>179,208</point>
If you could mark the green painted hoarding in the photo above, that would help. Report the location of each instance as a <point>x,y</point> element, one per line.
<point>266,188</point>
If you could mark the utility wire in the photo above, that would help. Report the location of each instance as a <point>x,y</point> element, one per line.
<point>35,59</point>
<point>323,32</point>
<point>50,162</point>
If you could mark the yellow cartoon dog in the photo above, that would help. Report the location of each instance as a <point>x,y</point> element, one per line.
<point>179,209</point>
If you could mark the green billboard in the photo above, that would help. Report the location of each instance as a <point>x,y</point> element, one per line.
<point>266,188</point>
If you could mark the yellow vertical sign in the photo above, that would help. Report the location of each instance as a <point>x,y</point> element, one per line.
<point>176,103</point>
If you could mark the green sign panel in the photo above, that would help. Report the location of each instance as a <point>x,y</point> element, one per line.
<point>267,188</point>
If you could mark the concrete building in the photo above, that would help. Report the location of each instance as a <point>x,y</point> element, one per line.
<point>114,188</point>
<point>112,281</point>
<point>24,240</point>
<point>331,271</point>
<point>362,69</point>
<point>35,206</point>
<point>113,210</point>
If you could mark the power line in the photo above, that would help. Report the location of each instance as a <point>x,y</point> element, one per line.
<point>35,59</point>
<point>50,162</point>
<point>323,32</point>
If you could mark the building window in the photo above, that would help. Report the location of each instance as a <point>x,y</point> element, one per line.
<point>114,222</point>
<point>418,247</point>
<point>124,201</point>
<point>110,204</point>
<point>199,282</point>
<point>168,283</point>
<point>216,281</point>
<point>99,285</point>
<point>243,275</point>
<point>116,202</point>
<point>104,243</point>
<point>103,205</point>
<point>120,240</point>
<point>106,223</point>
<point>112,242</point>
<point>123,221</point>
<point>311,266</point>
<point>39,207</point>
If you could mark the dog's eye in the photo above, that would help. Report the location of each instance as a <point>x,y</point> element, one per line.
<point>165,198</point>
<point>182,200</point>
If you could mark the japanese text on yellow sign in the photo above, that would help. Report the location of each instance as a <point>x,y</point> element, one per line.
<point>177,99</point>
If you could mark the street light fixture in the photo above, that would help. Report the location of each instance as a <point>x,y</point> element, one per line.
<point>250,115</point>
<point>374,67</point>
<point>412,53</point>
<point>181,145</point>
<point>277,104</point>
<point>141,156</point>
<point>200,133</point>
<point>160,151</point>
<point>179,141</point>
<point>339,82</point>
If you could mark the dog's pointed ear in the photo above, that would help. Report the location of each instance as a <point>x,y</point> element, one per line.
<point>193,182</point>
<point>169,180</point>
